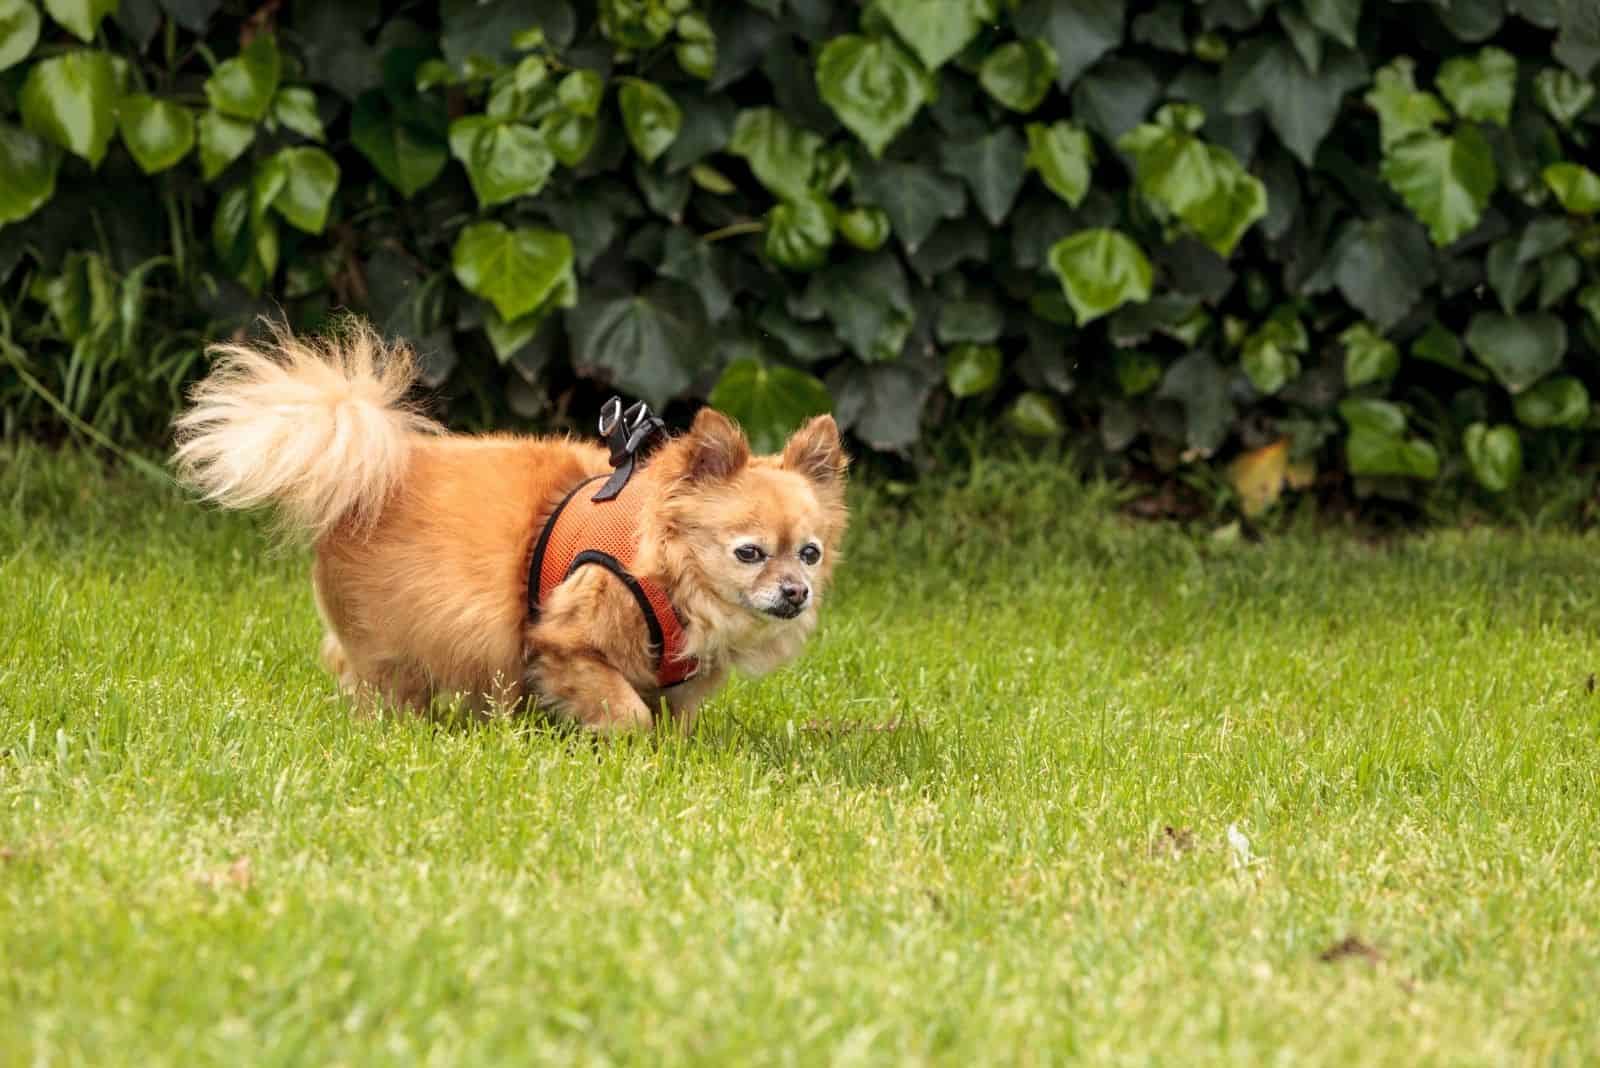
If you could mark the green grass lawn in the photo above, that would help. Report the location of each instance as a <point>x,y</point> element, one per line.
<point>207,859</point>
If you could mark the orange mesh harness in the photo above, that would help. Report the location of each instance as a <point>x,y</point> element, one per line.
<point>603,528</point>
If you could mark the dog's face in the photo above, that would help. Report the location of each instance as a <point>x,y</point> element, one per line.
<point>760,533</point>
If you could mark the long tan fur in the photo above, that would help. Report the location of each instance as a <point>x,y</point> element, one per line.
<point>319,429</point>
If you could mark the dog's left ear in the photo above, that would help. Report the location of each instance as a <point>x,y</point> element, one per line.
<point>717,447</point>
<point>816,452</point>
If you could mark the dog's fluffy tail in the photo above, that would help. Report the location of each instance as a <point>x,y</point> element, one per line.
<point>318,428</point>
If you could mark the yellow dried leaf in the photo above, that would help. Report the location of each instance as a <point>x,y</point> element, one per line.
<point>1257,476</point>
<point>1300,474</point>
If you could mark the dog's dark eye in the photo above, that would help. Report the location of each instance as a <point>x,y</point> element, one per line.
<point>810,554</point>
<point>749,554</point>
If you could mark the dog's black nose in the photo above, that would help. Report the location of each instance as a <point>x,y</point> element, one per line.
<point>794,593</point>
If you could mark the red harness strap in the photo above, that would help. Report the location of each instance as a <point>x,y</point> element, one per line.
<point>584,531</point>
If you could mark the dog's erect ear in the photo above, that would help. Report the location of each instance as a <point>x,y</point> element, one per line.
<point>717,447</point>
<point>816,452</point>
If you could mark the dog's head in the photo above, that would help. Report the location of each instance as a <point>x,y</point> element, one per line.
<point>756,536</point>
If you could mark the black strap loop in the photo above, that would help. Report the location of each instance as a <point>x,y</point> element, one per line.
<point>629,434</point>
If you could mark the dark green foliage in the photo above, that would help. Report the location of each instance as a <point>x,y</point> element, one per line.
<point>1181,229</point>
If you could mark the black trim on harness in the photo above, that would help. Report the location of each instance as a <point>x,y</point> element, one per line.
<point>613,565</point>
<point>536,566</point>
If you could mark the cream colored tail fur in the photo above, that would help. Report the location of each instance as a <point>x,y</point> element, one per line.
<point>318,428</point>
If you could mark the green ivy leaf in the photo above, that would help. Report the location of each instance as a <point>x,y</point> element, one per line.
<point>937,29</point>
<point>799,233</point>
<point>1439,346</point>
<point>1561,401</point>
<point>869,302</point>
<point>404,138</point>
<point>647,344</point>
<point>865,228</point>
<point>28,166</point>
<point>770,402</point>
<point>1100,270</point>
<point>158,133</point>
<point>696,49</point>
<point>1201,184</point>
<point>1494,454</point>
<point>1402,108</point>
<point>82,298</point>
<point>82,17</point>
<point>1576,186</point>
<point>971,369</point>
<point>1376,446</point>
<point>581,92</point>
<point>1079,31</point>
<point>1137,372</point>
<point>915,196</point>
<point>650,116</point>
<point>1445,181</point>
<point>310,177</point>
<point>243,87</point>
<point>1063,156</point>
<point>1200,385</point>
<point>569,136</point>
<point>1589,301</point>
<point>1266,74</point>
<point>515,270</point>
<point>1336,18</point>
<point>637,24</point>
<point>1035,415</point>
<point>1018,74</point>
<point>71,100</point>
<point>19,31</point>
<point>781,155</point>
<point>1519,349</point>
<point>507,339</point>
<point>235,237</point>
<point>1305,37</point>
<point>266,185</point>
<point>881,403</point>
<point>711,180</point>
<point>1558,276</point>
<point>222,140</point>
<point>1480,87</point>
<point>296,109</point>
<point>1380,265</point>
<point>478,37</point>
<point>504,160</point>
<point>971,319</point>
<point>1271,354</point>
<point>873,85</point>
<point>1368,356</point>
<point>1563,95</point>
<point>1510,278</point>
<point>992,167</point>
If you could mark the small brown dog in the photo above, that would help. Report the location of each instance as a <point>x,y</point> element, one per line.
<point>424,541</point>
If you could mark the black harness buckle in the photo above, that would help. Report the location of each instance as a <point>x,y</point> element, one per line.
<point>630,434</point>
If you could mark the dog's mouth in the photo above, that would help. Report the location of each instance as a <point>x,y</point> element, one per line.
<point>784,610</point>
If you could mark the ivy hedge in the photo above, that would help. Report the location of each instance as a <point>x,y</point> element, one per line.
<point>1281,237</point>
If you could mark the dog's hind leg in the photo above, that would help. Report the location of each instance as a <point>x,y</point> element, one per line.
<point>390,683</point>
<point>337,662</point>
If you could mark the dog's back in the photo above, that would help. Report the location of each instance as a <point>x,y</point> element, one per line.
<point>440,578</point>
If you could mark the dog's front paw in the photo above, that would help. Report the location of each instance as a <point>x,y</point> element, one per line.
<point>629,718</point>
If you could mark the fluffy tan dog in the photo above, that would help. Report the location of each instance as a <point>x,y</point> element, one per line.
<point>423,540</point>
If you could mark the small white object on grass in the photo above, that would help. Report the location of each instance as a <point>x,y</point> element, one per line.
<point>1240,846</point>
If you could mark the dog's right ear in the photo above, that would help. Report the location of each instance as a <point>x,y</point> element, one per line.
<point>717,448</point>
<point>816,452</point>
